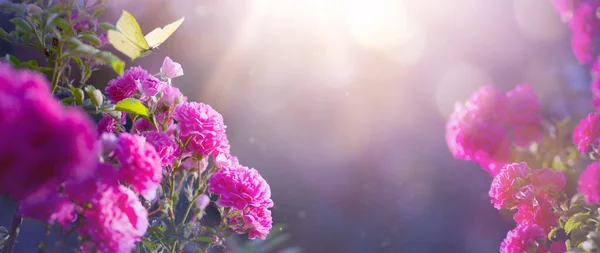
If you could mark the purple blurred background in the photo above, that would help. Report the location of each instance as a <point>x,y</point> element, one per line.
<point>341,105</point>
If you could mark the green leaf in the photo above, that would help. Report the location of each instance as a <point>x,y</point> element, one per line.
<point>117,64</point>
<point>132,105</point>
<point>107,26</point>
<point>64,25</point>
<point>575,222</point>
<point>205,239</point>
<point>51,18</point>
<point>79,61</point>
<point>98,12</point>
<point>153,247</point>
<point>22,24</point>
<point>3,33</point>
<point>552,233</point>
<point>90,37</point>
<point>79,95</point>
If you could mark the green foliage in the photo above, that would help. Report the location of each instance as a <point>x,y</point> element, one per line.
<point>132,105</point>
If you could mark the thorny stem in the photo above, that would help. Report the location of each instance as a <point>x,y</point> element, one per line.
<point>13,231</point>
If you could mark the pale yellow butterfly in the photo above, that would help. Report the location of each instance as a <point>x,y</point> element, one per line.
<point>129,40</point>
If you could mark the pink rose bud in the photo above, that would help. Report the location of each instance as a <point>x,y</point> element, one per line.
<point>202,201</point>
<point>171,69</point>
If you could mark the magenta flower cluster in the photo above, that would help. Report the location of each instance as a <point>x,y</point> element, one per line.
<point>584,25</point>
<point>64,170</point>
<point>485,127</point>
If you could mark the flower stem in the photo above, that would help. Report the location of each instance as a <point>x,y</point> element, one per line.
<point>13,232</point>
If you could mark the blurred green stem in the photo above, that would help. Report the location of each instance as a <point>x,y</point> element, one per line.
<point>13,231</point>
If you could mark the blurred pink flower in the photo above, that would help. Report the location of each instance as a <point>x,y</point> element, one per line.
<point>89,191</point>
<point>225,160</point>
<point>140,164</point>
<point>589,183</point>
<point>48,205</point>
<point>540,214</point>
<point>202,201</point>
<point>256,221</point>
<point>171,69</point>
<point>204,126</point>
<point>165,146</point>
<point>45,142</point>
<point>523,117</point>
<point>587,132</point>
<point>522,238</point>
<point>507,184</point>
<point>117,222</point>
<point>240,187</point>
<point>484,127</point>
<point>471,136</point>
<point>558,247</point>
<point>585,26</point>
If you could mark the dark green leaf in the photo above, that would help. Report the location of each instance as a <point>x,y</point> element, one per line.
<point>67,100</point>
<point>64,25</point>
<point>90,37</point>
<point>153,247</point>
<point>51,18</point>
<point>205,239</point>
<point>22,24</point>
<point>132,105</point>
<point>3,34</point>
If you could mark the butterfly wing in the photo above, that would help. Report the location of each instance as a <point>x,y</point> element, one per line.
<point>159,35</point>
<point>124,45</point>
<point>130,29</point>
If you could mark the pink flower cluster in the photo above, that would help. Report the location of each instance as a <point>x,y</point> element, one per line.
<point>484,128</point>
<point>587,133</point>
<point>140,164</point>
<point>522,239</point>
<point>44,142</point>
<point>133,80</point>
<point>584,25</point>
<point>589,183</point>
<point>531,193</point>
<point>246,192</point>
<point>203,127</point>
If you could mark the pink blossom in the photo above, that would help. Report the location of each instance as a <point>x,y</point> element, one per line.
<point>507,184</point>
<point>126,86</point>
<point>150,86</point>
<point>204,126</point>
<point>563,8</point>
<point>540,214</point>
<point>48,205</point>
<point>523,117</point>
<point>202,201</point>
<point>108,141</point>
<point>171,69</point>
<point>558,247</point>
<point>192,163</point>
<point>589,183</point>
<point>165,145</point>
<point>89,191</point>
<point>117,222</point>
<point>472,136</point>
<point>225,160</point>
<point>587,132</point>
<point>256,221</point>
<point>107,124</point>
<point>171,96</point>
<point>140,164</point>
<point>240,187</point>
<point>548,182</point>
<point>584,27</point>
<point>522,238</point>
<point>48,142</point>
